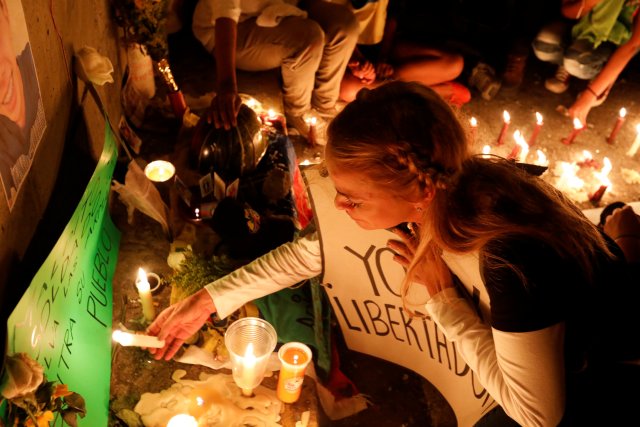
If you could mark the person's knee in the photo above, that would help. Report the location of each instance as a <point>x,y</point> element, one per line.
<point>549,44</point>
<point>454,65</point>
<point>581,70</point>
<point>307,35</point>
<point>343,26</point>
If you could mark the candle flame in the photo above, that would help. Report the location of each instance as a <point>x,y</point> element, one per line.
<point>252,103</point>
<point>311,121</point>
<point>524,147</point>
<point>587,155</point>
<point>271,113</point>
<point>473,122</point>
<point>249,358</point>
<point>183,420</point>
<point>506,116</point>
<point>542,158</point>
<point>539,118</point>
<point>197,212</point>
<point>142,283</point>
<point>486,149</point>
<point>577,124</point>
<point>568,178</point>
<point>199,401</point>
<point>623,112</point>
<point>122,337</point>
<point>603,174</point>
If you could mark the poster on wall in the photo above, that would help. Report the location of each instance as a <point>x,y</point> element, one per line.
<point>63,320</point>
<point>363,284</point>
<point>22,120</point>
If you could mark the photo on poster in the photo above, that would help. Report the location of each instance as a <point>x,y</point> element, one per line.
<point>22,119</point>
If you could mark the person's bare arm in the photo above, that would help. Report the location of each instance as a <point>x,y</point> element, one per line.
<point>576,9</point>
<point>226,104</point>
<point>608,75</point>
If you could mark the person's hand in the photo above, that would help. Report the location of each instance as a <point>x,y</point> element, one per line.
<point>432,271</point>
<point>363,70</point>
<point>623,226</point>
<point>179,322</point>
<point>225,106</point>
<point>384,70</point>
<point>580,109</point>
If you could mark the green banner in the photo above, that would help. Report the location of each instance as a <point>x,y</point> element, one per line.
<point>64,318</point>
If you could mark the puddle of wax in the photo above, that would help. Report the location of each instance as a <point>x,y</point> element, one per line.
<point>214,400</point>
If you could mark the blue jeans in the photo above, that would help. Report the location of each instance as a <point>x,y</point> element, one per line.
<point>579,57</point>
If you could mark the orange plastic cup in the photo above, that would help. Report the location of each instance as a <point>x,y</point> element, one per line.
<point>294,357</point>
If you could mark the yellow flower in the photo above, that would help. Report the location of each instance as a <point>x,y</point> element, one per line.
<point>43,420</point>
<point>61,390</point>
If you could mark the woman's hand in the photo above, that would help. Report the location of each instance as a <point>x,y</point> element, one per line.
<point>384,70</point>
<point>363,70</point>
<point>623,226</point>
<point>179,322</point>
<point>432,272</point>
<point>580,109</point>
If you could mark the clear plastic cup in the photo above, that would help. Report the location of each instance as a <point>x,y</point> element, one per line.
<point>294,357</point>
<point>250,341</point>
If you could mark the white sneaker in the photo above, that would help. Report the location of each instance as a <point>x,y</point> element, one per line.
<point>560,82</point>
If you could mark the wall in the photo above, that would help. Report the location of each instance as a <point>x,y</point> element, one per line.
<point>57,28</point>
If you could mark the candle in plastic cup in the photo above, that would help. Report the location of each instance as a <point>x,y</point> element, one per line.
<point>294,357</point>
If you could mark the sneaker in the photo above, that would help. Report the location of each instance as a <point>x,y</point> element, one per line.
<point>514,70</point>
<point>560,82</point>
<point>483,78</point>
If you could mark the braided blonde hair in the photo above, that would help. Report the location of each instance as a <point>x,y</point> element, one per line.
<point>405,138</point>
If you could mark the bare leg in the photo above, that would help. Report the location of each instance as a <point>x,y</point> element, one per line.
<point>426,65</point>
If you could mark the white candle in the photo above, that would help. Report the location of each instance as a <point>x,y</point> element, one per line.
<point>127,339</point>
<point>159,170</point>
<point>248,370</point>
<point>144,291</point>
<point>183,420</point>
<point>636,144</point>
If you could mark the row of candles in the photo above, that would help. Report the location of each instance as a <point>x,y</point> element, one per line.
<point>568,179</point>
<point>578,126</point>
<point>250,342</point>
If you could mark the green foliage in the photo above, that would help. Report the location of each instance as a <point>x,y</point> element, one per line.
<point>197,271</point>
<point>144,22</point>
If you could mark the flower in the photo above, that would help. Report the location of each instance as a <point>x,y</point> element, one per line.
<point>32,401</point>
<point>93,67</point>
<point>23,375</point>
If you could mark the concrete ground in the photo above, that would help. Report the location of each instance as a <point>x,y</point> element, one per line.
<point>399,396</point>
